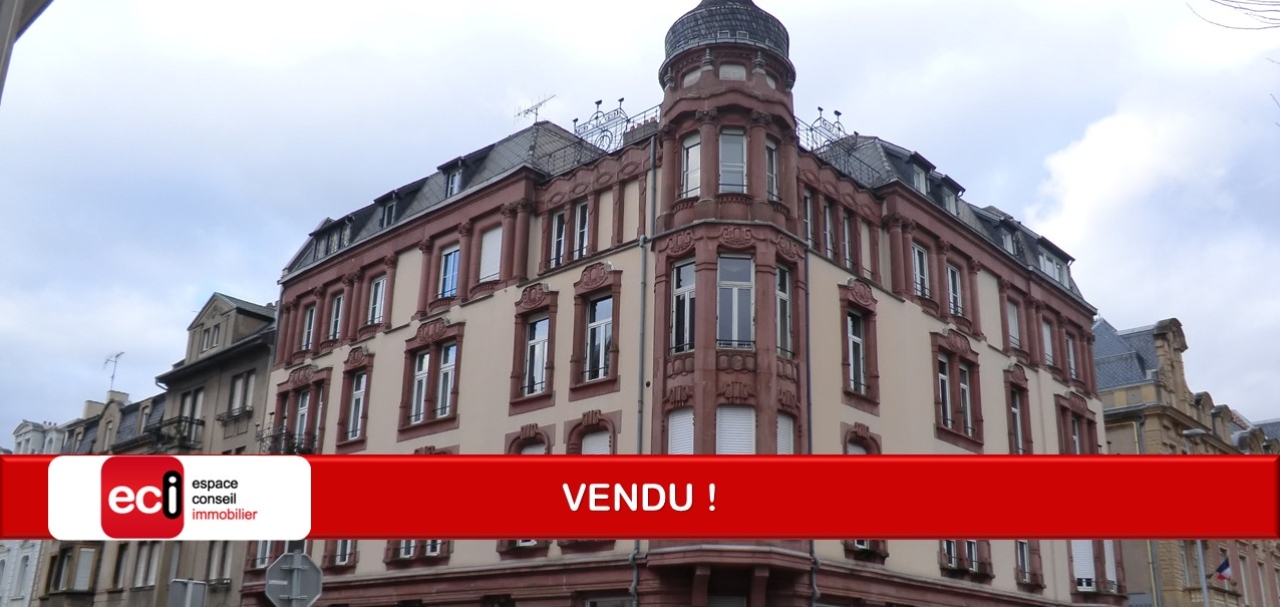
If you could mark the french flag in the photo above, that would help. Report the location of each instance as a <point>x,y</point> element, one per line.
<point>1224,570</point>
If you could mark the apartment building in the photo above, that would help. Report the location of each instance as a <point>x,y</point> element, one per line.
<point>712,275</point>
<point>207,408</point>
<point>19,558</point>
<point>1149,409</point>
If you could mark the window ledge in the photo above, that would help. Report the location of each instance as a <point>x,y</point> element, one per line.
<point>534,402</point>
<point>595,387</point>
<point>428,427</point>
<point>351,445</point>
<point>862,401</point>
<point>109,591</point>
<point>440,304</point>
<point>958,439</point>
<point>578,546</point>
<point>417,561</point>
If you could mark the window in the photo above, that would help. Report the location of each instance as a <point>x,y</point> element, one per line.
<point>377,291</point>
<point>216,338</point>
<point>308,326</point>
<point>449,272</point>
<point>147,563</point>
<point>534,448</point>
<point>388,215</point>
<point>1018,433</point>
<point>971,554</point>
<point>691,164</point>
<point>949,198</point>
<point>582,229</point>
<point>192,404</point>
<point>1015,323</point>
<point>535,369</point>
<point>262,556</point>
<point>1076,446</point>
<point>1047,334</point>
<point>784,312</point>
<point>848,241</point>
<point>1071,357</point>
<point>25,562</point>
<point>920,180</point>
<point>304,410</point>
<point>217,561</point>
<point>828,230</point>
<point>771,170</point>
<point>808,217</point>
<point>242,392</point>
<point>733,161</point>
<point>453,183</point>
<point>735,430</point>
<point>108,435</point>
<point>854,331</point>
<point>954,292</point>
<point>1052,267</point>
<point>1262,584</point>
<point>343,551</point>
<point>599,338</point>
<point>432,547</point>
<point>599,442</point>
<point>1083,565</point>
<point>421,371</point>
<point>944,389</point>
<point>558,227</point>
<point>1022,555</point>
<point>966,404</point>
<point>735,311</point>
<point>959,417</point>
<point>920,270</point>
<point>786,434</point>
<point>1006,241</point>
<point>444,397</point>
<point>355,413</point>
<point>491,254</point>
<point>407,549</point>
<point>950,554</point>
<point>682,307</point>
<point>205,339</point>
<point>680,431</point>
<point>335,317</point>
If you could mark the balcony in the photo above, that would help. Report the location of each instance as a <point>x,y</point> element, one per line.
<point>282,441</point>
<point>177,433</point>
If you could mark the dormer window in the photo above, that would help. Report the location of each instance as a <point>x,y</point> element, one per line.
<point>453,183</point>
<point>1006,241</point>
<point>205,339</point>
<point>920,180</point>
<point>949,199</point>
<point>388,214</point>
<point>1051,266</point>
<point>333,242</point>
<point>216,337</point>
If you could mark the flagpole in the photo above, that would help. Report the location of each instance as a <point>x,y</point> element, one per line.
<point>1204,577</point>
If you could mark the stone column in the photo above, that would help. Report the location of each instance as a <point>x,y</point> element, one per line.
<point>464,260</point>
<point>508,241</point>
<point>938,263</point>
<point>873,232</point>
<point>710,146</point>
<point>756,140</point>
<point>355,309</point>
<point>972,302</point>
<point>704,347</point>
<point>521,260</point>
<point>344,325</point>
<point>320,330</point>
<point>285,330</point>
<point>672,169</point>
<point>897,271</point>
<point>424,286</point>
<point>619,208</point>
<point>388,294</point>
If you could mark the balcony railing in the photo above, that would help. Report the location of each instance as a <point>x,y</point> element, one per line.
<point>283,441</point>
<point>177,433</point>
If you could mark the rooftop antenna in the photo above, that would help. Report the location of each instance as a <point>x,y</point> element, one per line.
<point>113,360</point>
<point>533,109</point>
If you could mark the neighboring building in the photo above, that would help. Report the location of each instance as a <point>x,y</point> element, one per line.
<point>208,408</point>
<point>1150,410</point>
<point>15,17</point>
<point>709,276</point>
<point>19,558</point>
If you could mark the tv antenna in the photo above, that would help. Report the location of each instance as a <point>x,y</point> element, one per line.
<point>533,109</point>
<point>113,360</point>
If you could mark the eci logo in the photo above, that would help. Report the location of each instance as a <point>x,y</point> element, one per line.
<point>142,497</point>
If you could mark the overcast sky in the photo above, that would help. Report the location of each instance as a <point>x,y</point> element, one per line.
<point>152,152</point>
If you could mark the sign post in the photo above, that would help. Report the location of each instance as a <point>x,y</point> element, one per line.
<point>293,580</point>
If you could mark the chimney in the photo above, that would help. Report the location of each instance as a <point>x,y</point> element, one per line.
<point>121,397</point>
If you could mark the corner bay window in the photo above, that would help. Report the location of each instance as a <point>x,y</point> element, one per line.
<point>599,338</point>
<point>691,165</point>
<point>682,307</point>
<point>733,161</point>
<point>735,312</point>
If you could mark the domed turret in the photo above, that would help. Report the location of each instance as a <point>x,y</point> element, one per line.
<point>727,21</point>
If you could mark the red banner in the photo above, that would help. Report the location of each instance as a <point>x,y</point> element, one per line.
<point>754,497</point>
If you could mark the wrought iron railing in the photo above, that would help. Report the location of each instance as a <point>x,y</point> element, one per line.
<point>177,432</point>
<point>283,441</point>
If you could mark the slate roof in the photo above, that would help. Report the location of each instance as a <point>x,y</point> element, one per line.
<point>1123,358</point>
<point>736,21</point>
<point>543,147</point>
<point>1270,427</point>
<point>267,313</point>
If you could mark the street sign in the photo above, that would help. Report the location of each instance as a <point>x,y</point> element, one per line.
<point>293,580</point>
<point>186,593</point>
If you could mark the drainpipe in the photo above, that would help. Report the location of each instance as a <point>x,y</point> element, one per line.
<point>643,243</point>
<point>808,404</point>
<point>1156,589</point>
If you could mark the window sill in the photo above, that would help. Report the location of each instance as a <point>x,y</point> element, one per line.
<point>580,546</point>
<point>1032,587</point>
<point>439,304</point>
<point>862,401</point>
<point>417,561</point>
<point>875,553</point>
<point>534,402</point>
<point>928,306</point>
<point>507,550</point>
<point>427,428</point>
<point>109,591</point>
<point>350,445</point>
<point>596,387</point>
<point>339,569</point>
<point>947,435</point>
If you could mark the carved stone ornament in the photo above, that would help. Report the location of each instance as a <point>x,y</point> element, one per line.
<point>349,279</point>
<point>464,228</point>
<point>301,376</point>
<point>944,247</point>
<point>706,115</point>
<point>1077,403</point>
<point>789,250</point>
<point>593,276</point>
<point>425,246</point>
<point>528,431</point>
<point>431,331</point>
<point>737,237</point>
<point>893,220</point>
<point>975,266</point>
<point>788,400</point>
<point>534,296</point>
<point>318,292</point>
<point>862,295</point>
<point>291,305</point>
<point>1018,375</point>
<point>861,431</point>
<point>679,396</point>
<point>956,342</point>
<point>510,209</point>
<point>357,357</point>
<point>680,243</point>
<point>761,118</point>
<point>591,418</point>
<point>390,261</point>
<point>736,392</point>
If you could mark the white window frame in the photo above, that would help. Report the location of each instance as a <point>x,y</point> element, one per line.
<point>771,169</point>
<point>407,549</point>
<point>1076,438</point>
<point>949,199</point>
<point>730,166</point>
<point>302,419</point>
<point>857,351</point>
<point>848,241</point>
<point>308,326</point>
<point>971,554</point>
<point>955,291</point>
<point>421,383</point>
<point>1071,358</point>
<point>952,553</point>
<point>453,183</point>
<point>355,412</point>
<point>808,217</point>
<point>1006,240</point>
<point>559,234</point>
<point>432,547</point>
<point>735,289</point>
<point>582,229</point>
<point>447,374</point>
<point>785,317</point>
<point>388,214</point>
<point>335,317</point>
<point>683,301</point>
<point>216,337</point>
<point>263,556</point>
<point>377,297</point>
<point>204,339</point>
<point>920,179</point>
<point>1015,410</point>
<point>828,231</point>
<point>1046,330</point>
<point>944,389</point>
<point>343,551</point>
<point>599,339</point>
<point>490,255</point>
<point>691,166</point>
<point>1015,323</point>
<point>966,399</point>
<point>535,356</point>
<point>449,260</point>
<point>1022,560</point>
<point>920,270</point>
